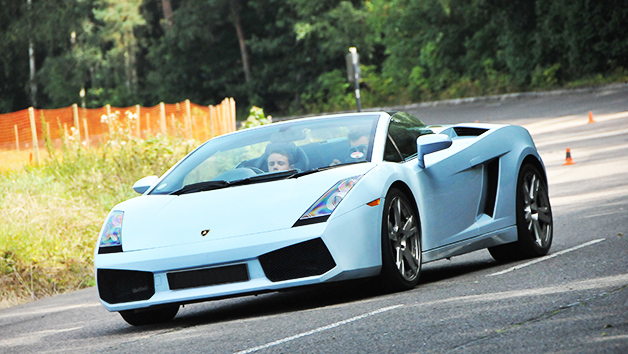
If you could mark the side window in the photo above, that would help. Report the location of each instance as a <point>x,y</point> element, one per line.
<point>404,129</point>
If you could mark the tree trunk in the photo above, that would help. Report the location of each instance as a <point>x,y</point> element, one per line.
<point>166,5</point>
<point>31,57</point>
<point>235,18</point>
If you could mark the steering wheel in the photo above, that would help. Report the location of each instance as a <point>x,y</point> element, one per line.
<point>255,169</point>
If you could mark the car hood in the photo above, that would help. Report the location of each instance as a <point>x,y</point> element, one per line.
<point>153,221</point>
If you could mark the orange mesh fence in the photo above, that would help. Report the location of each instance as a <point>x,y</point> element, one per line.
<point>24,129</point>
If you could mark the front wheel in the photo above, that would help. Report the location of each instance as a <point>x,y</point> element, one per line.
<point>534,219</point>
<point>401,243</point>
<point>143,317</point>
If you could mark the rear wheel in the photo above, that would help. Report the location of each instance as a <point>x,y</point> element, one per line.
<point>401,243</point>
<point>143,317</point>
<point>534,219</point>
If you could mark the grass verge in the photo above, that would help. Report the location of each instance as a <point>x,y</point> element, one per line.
<point>50,215</point>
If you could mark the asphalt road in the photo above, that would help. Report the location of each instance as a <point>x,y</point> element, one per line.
<point>575,300</point>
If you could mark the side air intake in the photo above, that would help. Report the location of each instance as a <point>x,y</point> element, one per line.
<point>468,131</point>
<point>492,180</point>
<point>117,286</point>
<point>302,260</point>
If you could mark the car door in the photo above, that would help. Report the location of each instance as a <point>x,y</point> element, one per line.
<point>451,187</point>
<point>452,194</point>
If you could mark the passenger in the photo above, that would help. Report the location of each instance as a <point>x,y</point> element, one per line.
<point>359,138</point>
<point>279,160</point>
<point>359,142</point>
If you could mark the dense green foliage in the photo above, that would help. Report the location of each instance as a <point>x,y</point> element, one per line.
<point>288,55</point>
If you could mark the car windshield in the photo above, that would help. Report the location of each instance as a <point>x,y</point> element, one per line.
<point>276,151</point>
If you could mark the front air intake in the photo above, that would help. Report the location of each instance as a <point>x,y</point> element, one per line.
<point>117,286</point>
<point>209,276</point>
<point>302,260</point>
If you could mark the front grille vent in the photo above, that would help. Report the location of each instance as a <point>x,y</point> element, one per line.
<point>302,260</point>
<point>116,286</point>
<point>208,276</point>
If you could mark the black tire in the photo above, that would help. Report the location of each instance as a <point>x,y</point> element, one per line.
<point>143,317</point>
<point>401,243</point>
<point>535,225</point>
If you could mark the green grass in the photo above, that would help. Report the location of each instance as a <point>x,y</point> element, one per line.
<point>50,215</point>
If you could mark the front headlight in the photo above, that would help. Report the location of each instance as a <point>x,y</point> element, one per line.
<point>325,205</point>
<point>111,237</point>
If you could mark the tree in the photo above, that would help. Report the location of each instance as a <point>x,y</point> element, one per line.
<point>119,21</point>
<point>234,7</point>
<point>288,55</point>
<point>166,6</point>
<point>13,57</point>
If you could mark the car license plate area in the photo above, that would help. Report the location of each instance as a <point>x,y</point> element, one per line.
<point>208,276</point>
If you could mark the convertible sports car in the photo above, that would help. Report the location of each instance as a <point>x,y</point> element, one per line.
<point>319,200</point>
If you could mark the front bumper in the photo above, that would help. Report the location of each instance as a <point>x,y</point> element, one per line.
<point>345,247</point>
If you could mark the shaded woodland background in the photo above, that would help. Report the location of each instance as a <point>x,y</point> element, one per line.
<point>287,56</point>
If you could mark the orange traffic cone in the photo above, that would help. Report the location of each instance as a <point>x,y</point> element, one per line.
<point>568,160</point>
<point>591,120</point>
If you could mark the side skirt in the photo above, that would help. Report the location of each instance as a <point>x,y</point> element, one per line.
<point>495,238</point>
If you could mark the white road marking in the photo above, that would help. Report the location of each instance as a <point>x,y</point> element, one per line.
<point>31,337</point>
<point>605,338</point>
<point>578,137</point>
<point>587,284</point>
<point>48,310</point>
<point>546,258</point>
<point>317,330</point>
<point>601,197</point>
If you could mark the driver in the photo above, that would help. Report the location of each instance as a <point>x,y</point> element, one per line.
<point>279,160</point>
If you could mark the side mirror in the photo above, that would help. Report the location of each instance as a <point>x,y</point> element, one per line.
<point>143,184</point>
<point>427,144</point>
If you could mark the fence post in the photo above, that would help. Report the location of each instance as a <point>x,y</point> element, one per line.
<point>173,124</point>
<point>164,127</point>
<point>86,132</point>
<point>76,122</point>
<point>188,119</point>
<point>212,120</point>
<point>108,110</point>
<point>137,116</point>
<point>31,114</point>
<point>17,139</point>
<point>221,126</point>
<point>225,116</point>
<point>232,106</point>
<point>148,132</point>
<point>206,127</point>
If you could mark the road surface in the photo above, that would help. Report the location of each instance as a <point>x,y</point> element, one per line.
<point>575,300</point>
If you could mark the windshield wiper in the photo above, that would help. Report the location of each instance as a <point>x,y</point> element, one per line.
<point>308,172</point>
<point>211,185</point>
<point>201,187</point>
<point>314,170</point>
<point>264,177</point>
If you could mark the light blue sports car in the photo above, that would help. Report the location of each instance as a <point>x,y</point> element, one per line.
<point>319,200</point>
